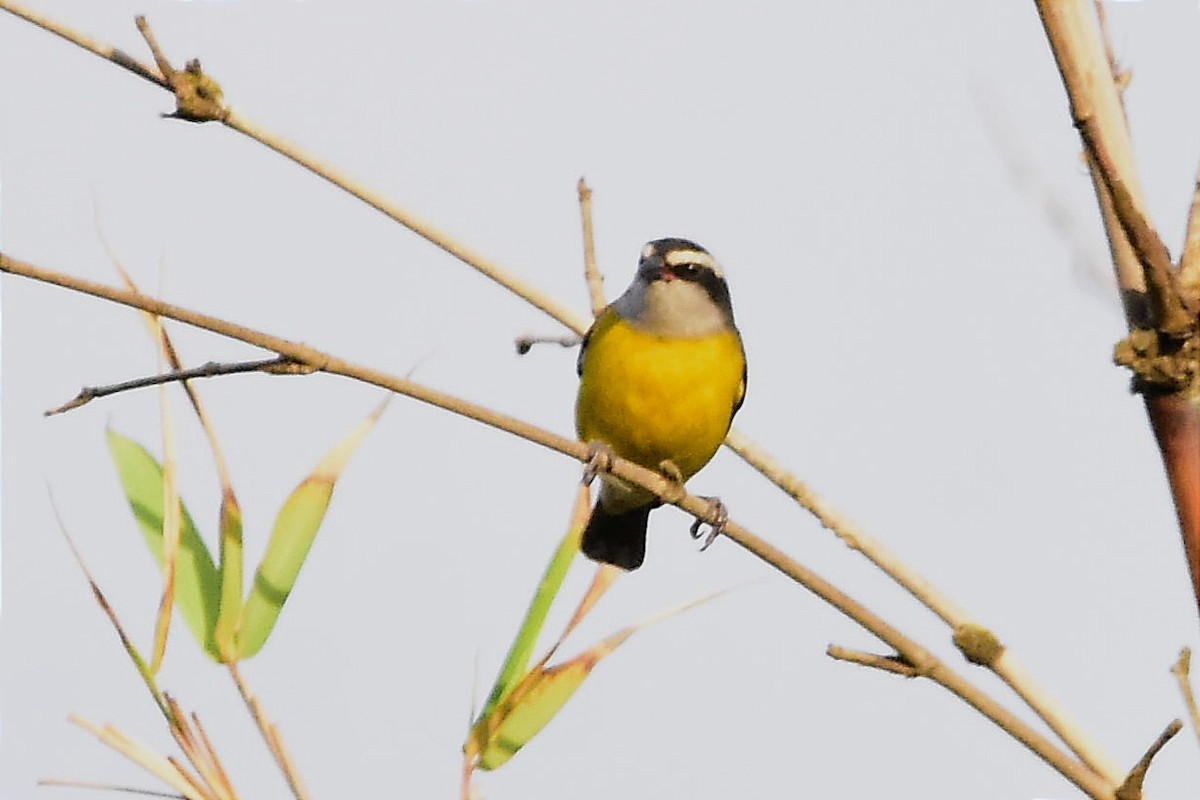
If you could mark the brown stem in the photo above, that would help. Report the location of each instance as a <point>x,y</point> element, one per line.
<point>1176,426</point>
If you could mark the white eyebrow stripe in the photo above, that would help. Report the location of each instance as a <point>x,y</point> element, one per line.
<point>674,258</point>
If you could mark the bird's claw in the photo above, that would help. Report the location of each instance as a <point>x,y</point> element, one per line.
<point>720,516</point>
<point>600,459</point>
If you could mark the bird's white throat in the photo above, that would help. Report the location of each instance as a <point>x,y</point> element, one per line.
<point>671,308</point>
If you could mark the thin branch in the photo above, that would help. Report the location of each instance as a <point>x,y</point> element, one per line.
<point>98,594</point>
<point>1189,260</point>
<point>270,734</point>
<point>1131,788</point>
<point>922,660</point>
<point>1083,63</point>
<point>1182,672</point>
<point>273,366</point>
<point>167,770</point>
<point>105,51</point>
<point>526,343</point>
<point>893,664</point>
<point>1170,315</point>
<point>592,276</point>
<point>107,787</point>
<point>290,150</point>
<point>1007,667</point>
<point>1120,77</point>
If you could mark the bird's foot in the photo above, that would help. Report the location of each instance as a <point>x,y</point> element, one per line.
<point>600,459</point>
<point>720,516</point>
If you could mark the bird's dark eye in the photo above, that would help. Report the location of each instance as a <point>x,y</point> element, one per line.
<point>688,270</point>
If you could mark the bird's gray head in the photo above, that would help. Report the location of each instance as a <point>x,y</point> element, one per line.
<point>679,290</point>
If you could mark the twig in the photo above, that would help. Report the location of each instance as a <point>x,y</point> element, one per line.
<point>592,276</point>
<point>270,734</point>
<point>1170,315</point>
<point>274,366</point>
<point>293,152</point>
<point>105,51</point>
<point>1189,260</point>
<point>1006,666</point>
<point>211,776</point>
<point>893,664</point>
<point>107,787</point>
<point>1182,672</point>
<point>98,594</point>
<point>922,660</point>
<point>1120,76</point>
<point>525,343</point>
<point>1131,788</point>
<point>1080,54</point>
<point>214,782</point>
<point>168,770</point>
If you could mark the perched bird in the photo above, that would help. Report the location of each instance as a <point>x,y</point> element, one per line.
<point>662,372</point>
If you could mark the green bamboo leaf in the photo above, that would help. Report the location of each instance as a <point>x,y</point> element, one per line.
<point>538,698</point>
<point>295,530</point>
<point>230,613</point>
<point>542,693</point>
<point>197,583</point>
<point>519,653</point>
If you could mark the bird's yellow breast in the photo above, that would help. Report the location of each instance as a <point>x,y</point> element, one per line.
<point>653,398</point>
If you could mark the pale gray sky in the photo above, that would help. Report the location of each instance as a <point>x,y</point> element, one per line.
<point>926,349</point>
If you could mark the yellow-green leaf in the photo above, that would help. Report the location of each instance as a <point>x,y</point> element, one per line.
<point>517,661</point>
<point>197,583</point>
<point>542,693</point>
<point>295,530</point>
<point>538,698</point>
<point>231,576</point>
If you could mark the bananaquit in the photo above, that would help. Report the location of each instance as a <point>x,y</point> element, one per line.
<point>662,372</point>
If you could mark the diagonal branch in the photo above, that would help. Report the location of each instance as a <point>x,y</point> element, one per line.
<point>913,653</point>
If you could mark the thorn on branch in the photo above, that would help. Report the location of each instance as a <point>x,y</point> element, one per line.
<point>198,98</point>
<point>1131,789</point>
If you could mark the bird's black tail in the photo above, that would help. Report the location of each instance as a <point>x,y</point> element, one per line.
<point>617,539</point>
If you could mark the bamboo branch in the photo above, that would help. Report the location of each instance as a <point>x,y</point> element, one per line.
<point>922,660</point>
<point>1182,672</point>
<point>1006,665</point>
<point>591,273</point>
<point>1131,788</point>
<point>1140,258</point>
<point>1189,260</point>
<point>270,734</point>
